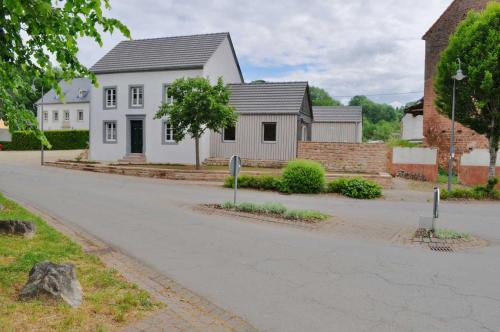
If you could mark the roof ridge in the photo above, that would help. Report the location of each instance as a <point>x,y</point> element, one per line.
<point>181,36</point>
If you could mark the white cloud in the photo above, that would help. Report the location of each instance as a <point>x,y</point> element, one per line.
<point>347,47</point>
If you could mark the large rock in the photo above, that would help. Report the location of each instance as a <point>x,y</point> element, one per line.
<point>26,228</point>
<point>58,281</point>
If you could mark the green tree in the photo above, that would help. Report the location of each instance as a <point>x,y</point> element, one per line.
<point>198,106</point>
<point>34,32</point>
<point>319,97</point>
<point>376,112</point>
<point>476,42</point>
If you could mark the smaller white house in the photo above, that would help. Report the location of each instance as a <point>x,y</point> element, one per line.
<point>72,113</point>
<point>412,123</point>
<point>337,124</point>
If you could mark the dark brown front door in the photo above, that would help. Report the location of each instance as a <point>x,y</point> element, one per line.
<point>136,136</point>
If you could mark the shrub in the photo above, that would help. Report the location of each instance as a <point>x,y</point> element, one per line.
<point>265,182</point>
<point>355,188</point>
<point>59,139</point>
<point>303,176</point>
<point>477,193</point>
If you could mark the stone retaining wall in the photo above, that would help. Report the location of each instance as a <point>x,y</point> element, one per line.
<point>346,157</point>
<point>385,180</point>
<point>246,162</point>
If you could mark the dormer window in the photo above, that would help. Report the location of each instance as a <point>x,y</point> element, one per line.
<point>136,96</point>
<point>82,93</point>
<point>109,97</point>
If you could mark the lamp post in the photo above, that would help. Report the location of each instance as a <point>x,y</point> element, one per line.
<point>41,119</point>
<point>457,77</point>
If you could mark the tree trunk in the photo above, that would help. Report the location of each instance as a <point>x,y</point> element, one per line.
<point>493,156</point>
<point>197,144</point>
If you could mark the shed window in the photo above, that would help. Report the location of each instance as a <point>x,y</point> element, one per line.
<point>269,132</point>
<point>229,134</point>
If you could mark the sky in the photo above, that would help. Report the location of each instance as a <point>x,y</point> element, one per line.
<point>347,47</point>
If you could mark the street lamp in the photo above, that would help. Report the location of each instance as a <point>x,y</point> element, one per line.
<point>457,77</point>
<point>41,117</point>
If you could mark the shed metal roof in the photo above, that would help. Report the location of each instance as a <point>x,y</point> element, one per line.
<point>261,98</point>
<point>337,113</point>
<point>71,90</point>
<point>167,53</point>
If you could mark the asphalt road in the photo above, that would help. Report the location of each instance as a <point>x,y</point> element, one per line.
<point>281,278</point>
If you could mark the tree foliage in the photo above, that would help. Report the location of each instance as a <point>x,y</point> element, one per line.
<point>198,106</point>
<point>319,97</point>
<point>380,121</point>
<point>476,42</point>
<point>33,35</point>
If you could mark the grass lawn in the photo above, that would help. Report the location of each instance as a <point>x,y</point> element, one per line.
<point>109,303</point>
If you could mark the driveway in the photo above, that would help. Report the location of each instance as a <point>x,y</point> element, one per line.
<point>282,278</point>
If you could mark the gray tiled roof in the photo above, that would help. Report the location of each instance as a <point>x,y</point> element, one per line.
<point>71,90</point>
<point>337,113</point>
<point>183,52</point>
<point>286,97</point>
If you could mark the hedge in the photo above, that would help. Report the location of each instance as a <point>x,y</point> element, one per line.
<point>59,139</point>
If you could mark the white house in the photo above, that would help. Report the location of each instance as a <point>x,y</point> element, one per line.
<point>71,113</point>
<point>412,123</point>
<point>133,79</point>
<point>337,124</point>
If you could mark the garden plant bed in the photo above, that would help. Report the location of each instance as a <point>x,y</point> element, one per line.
<point>454,242</point>
<point>264,216</point>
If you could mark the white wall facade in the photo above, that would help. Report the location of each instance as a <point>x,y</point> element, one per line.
<point>222,64</point>
<point>412,127</point>
<point>478,157</point>
<point>61,124</point>
<point>422,156</point>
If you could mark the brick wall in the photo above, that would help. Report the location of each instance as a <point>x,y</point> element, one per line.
<point>437,127</point>
<point>346,157</point>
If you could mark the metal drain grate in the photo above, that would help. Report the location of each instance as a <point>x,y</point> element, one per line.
<point>440,247</point>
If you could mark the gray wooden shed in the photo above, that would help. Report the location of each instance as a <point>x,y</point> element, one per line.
<point>337,124</point>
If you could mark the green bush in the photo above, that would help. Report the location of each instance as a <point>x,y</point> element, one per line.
<point>355,188</point>
<point>59,139</point>
<point>264,182</point>
<point>477,193</point>
<point>303,176</point>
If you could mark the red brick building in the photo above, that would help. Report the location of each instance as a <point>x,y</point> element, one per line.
<point>437,127</point>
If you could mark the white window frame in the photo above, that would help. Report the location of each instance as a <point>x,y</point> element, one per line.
<point>80,112</point>
<point>136,96</point>
<point>112,101</point>
<point>264,130</point>
<point>227,140</point>
<point>45,116</point>
<point>66,112</point>
<point>55,116</point>
<point>165,97</point>
<point>166,131</point>
<point>110,132</point>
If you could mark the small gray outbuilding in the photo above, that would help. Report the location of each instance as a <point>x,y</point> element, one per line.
<point>337,124</point>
